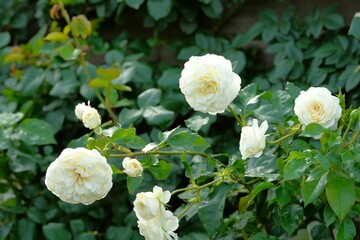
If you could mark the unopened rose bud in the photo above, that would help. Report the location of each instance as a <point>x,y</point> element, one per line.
<point>132,167</point>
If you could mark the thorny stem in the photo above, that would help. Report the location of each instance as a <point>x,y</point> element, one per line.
<point>134,154</point>
<point>183,212</point>
<point>354,137</point>
<point>238,120</point>
<point>83,62</point>
<point>197,188</point>
<point>285,136</point>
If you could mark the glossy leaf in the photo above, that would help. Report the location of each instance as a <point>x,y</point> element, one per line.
<point>314,185</point>
<point>294,169</point>
<point>56,231</point>
<point>211,213</point>
<point>340,192</point>
<point>161,170</point>
<point>159,8</point>
<point>347,230</point>
<point>36,132</point>
<point>150,97</point>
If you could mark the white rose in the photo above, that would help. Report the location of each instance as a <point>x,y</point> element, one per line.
<point>80,109</point>
<point>317,105</point>
<point>91,118</point>
<point>161,227</point>
<point>79,176</point>
<point>252,139</point>
<point>132,167</point>
<point>208,83</point>
<point>147,205</point>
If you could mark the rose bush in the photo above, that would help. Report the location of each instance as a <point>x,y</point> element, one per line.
<point>288,182</point>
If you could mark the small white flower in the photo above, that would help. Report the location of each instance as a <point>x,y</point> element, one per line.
<point>88,115</point>
<point>252,139</point>
<point>317,105</point>
<point>132,167</point>
<point>161,227</point>
<point>79,176</point>
<point>91,118</point>
<point>154,221</point>
<point>80,109</point>
<point>147,205</point>
<point>208,83</point>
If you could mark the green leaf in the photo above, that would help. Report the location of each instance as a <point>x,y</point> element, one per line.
<point>340,192</point>
<point>161,170</point>
<point>283,195</point>
<point>187,141</point>
<point>113,233</point>
<point>237,57</point>
<point>129,116</point>
<point>26,229</point>
<point>69,53</point>
<point>290,217</point>
<point>114,56</point>
<point>36,215</point>
<point>347,230</point>
<point>312,130</point>
<point>314,185</point>
<point>108,74</point>
<point>325,50</point>
<point>170,79</point>
<point>187,52</point>
<point>354,29</point>
<point>8,119</point>
<point>56,231</point>
<point>133,183</point>
<point>260,187</point>
<point>4,39</point>
<point>31,81</point>
<point>329,216</point>
<point>158,8</point>
<point>241,40</point>
<point>294,169</point>
<point>99,83</point>
<point>150,97</point>
<point>115,170</point>
<point>158,115</point>
<point>57,37</point>
<point>211,213</point>
<point>77,227</point>
<point>134,3</point>
<point>36,132</point>
<point>127,137</point>
<point>196,122</point>
<point>63,88</point>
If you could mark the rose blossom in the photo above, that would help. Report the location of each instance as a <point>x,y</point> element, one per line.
<point>252,139</point>
<point>132,167</point>
<point>149,204</point>
<point>154,221</point>
<point>317,105</point>
<point>79,176</point>
<point>88,115</point>
<point>208,83</point>
<point>161,227</point>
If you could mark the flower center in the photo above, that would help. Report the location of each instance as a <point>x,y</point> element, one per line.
<point>208,85</point>
<point>316,111</point>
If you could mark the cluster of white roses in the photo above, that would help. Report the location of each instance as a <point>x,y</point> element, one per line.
<point>210,85</point>
<point>83,176</point>
<point>154,221</point>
